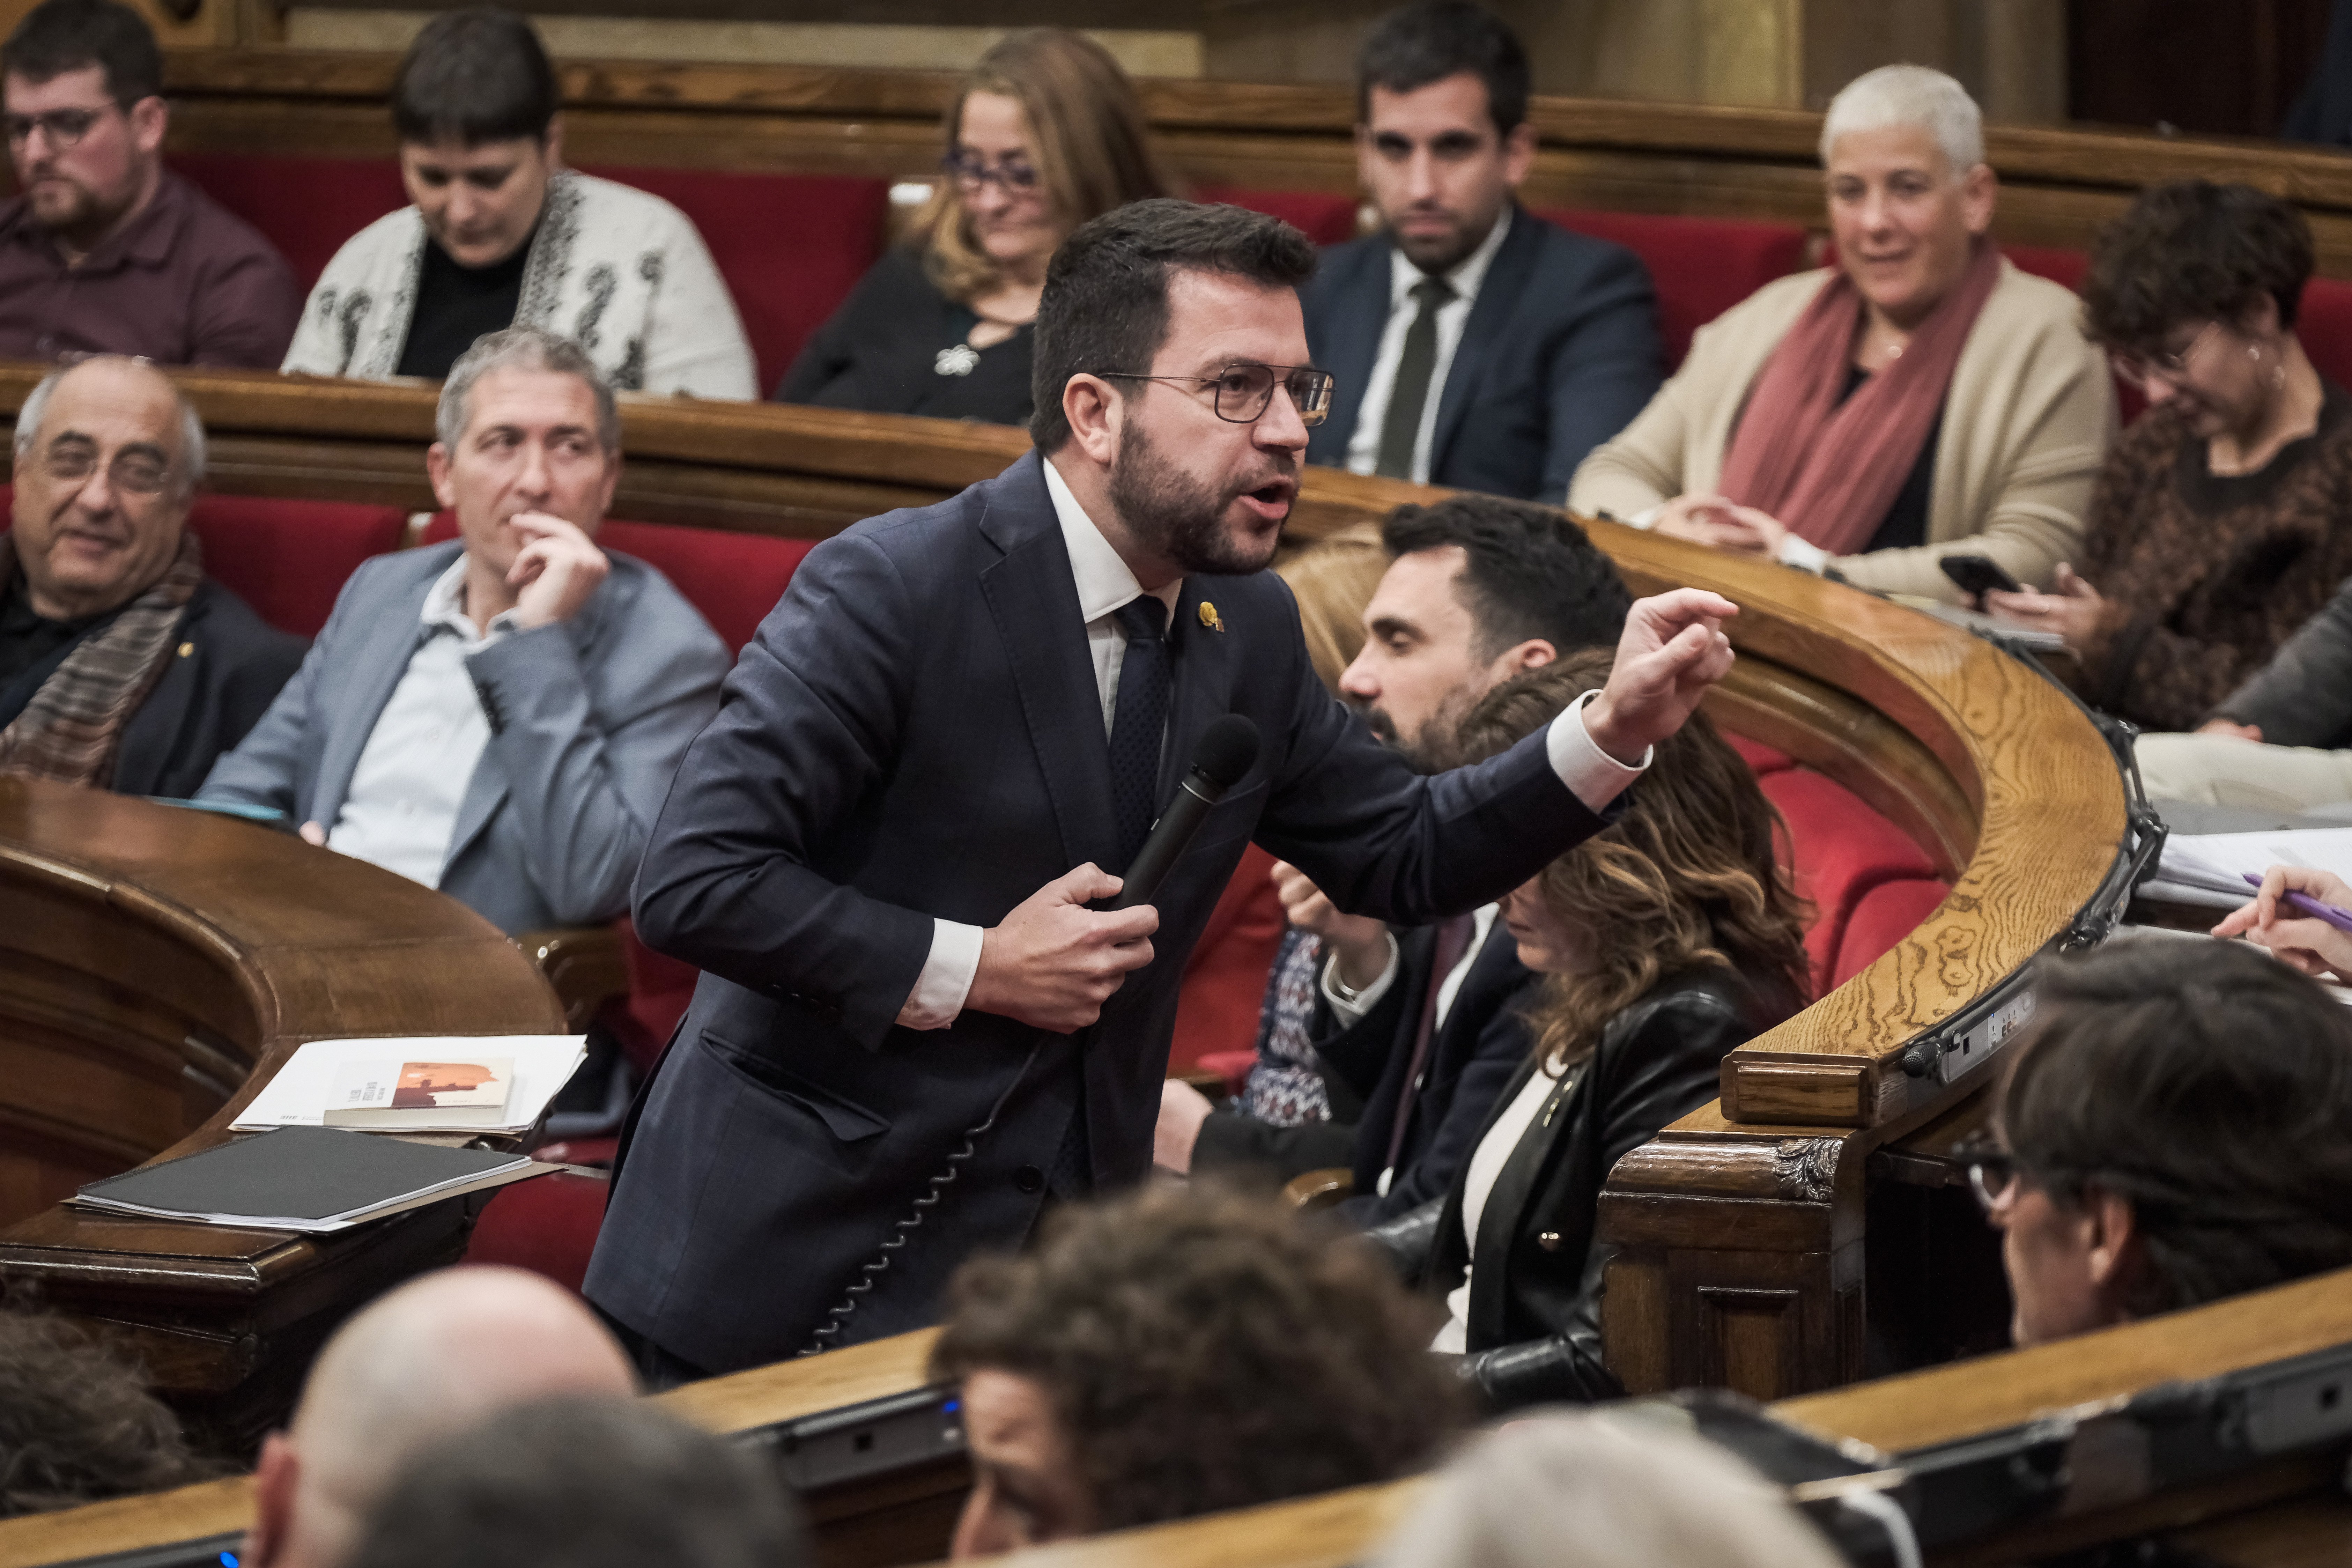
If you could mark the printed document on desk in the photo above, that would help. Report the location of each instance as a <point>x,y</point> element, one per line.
<point>2211,867</point>
<point>299,1094</point>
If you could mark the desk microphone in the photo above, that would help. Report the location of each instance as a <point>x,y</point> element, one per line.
<point>1226,750</point>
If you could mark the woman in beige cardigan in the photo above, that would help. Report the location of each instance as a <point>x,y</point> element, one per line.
<point>1796,429</point>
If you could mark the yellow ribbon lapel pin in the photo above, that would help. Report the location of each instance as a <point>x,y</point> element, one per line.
<point>1209,616</point>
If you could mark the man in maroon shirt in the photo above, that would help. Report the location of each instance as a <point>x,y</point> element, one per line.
<point>107,251</point>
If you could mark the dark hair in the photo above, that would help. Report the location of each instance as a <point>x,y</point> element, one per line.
<point>1683,880</point>
<point>1104,306</point>
<point>76,1421</point>
<point>1203,1352</point>
<point>1430,40</point>
<point>473,76</point>
<point>1531,572</point>
<point>2212,1086</point>
<point>2192,250</point>
<point>61,35</point>
<point>584,1483</point>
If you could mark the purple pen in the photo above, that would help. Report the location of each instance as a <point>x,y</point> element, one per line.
<point>2340,919</point>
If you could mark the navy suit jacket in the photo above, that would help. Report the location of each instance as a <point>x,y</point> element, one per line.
<point>1559,354</point>
<point>915,731</point>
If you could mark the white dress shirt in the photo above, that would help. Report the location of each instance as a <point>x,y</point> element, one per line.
<point>1486,1162</point>
<point>411,778</point>
<point>1467,274</point>
<point>1104,584</point>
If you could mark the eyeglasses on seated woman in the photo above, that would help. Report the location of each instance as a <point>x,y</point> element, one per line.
<point>1663,941</point>
<point>1046,134</point>
<point>2174,1128</point>
<point>1919,398</point>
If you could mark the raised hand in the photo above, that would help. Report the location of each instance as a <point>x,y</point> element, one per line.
<point>1052,962</point>
<point>557,569</point>
<point>1360,941</point>
<point>1673,650</point>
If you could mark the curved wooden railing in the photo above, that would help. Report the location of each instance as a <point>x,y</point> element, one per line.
<point>2058,185</point>
<point>1741,1229</point>
<point>156,966</point>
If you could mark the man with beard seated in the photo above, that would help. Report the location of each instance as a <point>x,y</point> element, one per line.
<point>1417,1030</point>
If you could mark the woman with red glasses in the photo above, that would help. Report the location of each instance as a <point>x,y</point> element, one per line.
<point>1043,135</point>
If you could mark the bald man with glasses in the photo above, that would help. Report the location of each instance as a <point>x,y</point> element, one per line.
<point>104,250</point>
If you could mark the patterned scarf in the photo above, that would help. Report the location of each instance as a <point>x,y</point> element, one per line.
<point>69,730</point>
<point>1285,1089</point>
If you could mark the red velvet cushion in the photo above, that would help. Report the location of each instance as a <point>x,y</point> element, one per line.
<point>288,559</point>
<point>2325,325</point>
<point>1883,917</point>
<point>660,987</point>
<point>1760,758</point>
<point>790,247</point>
<point>1324,217</point>
<point>734,579</point>
<point>305,207</point>
<point>1225,980</point>
<point>1841,849</point>
<point>547,1224</point>
<point>1232,1067</point>
<point>1701,266</point>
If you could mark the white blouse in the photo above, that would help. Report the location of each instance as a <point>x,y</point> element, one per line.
<point>1494,1152</point>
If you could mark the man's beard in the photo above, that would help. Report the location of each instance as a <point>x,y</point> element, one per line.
<point>1180,519</point>
<point>74,211</point>
<point>1432,751</point>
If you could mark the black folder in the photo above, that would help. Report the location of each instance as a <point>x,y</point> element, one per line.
<point>305,1179</point>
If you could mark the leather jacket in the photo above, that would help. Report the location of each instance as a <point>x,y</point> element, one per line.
<point>1534,1328</point>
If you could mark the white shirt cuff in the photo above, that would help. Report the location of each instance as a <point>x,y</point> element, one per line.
<point>1801,554</point>
<point>946,980</point>
<point>1591,774</point>
<point>1350,1007</point>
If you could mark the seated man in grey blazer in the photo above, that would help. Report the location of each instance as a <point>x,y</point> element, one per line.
<point>1472,344</point>
<point>497,717</point>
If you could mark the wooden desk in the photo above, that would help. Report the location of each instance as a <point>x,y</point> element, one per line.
<point>152,962</point>
<point>2058,186</point>
<point>1742,1230</point>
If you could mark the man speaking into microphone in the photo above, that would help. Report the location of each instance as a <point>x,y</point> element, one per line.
<point>914,1024</point>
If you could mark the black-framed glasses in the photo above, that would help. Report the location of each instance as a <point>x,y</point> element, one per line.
<point>1992,1172</point>
<point>64,127</point>
<point>1017,175</point>
<point>2170,363</point>
<point>1245,391</point>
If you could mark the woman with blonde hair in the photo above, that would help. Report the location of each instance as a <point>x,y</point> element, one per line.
<point>1663,941</point>
<point>1043,134</point>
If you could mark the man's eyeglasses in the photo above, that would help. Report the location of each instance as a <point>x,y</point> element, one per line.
<point>2170,363</point>
<point>1992,1173</point>
<point>1017,175</point>
<point>1245,391</point>
<point>64,127</point>
<point>132,473</point>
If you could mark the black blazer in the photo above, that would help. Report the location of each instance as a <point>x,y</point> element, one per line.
<point>1535,1296</point>
<point>1559,354</point>
<point>1473,1054</point>
<point>915,731</point>
<point>881,351</point>
<point>223,672</point>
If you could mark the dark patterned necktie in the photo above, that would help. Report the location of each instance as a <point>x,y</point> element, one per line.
<point>1137,724</point>
<point>1409,393</point>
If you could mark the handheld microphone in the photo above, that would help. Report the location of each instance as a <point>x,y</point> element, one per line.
<point>1227,749</point>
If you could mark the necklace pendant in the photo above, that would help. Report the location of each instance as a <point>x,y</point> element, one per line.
<point>960,360</point>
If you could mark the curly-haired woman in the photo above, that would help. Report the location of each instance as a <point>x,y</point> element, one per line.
<point>1665,942</point>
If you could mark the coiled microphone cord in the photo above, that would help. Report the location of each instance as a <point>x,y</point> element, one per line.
<point>870,1272</point>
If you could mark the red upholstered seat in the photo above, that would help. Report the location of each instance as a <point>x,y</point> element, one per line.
<point>790,247</point>
<point>1882,917</point>
<point>547,1224</point>
<point>288,559</point>
<point>305,207</point>
<point>1323,216</point>
<point>1841,849</point>
<point>2324,324</point>
<point>1701,266</point>
<point>1225,980</point>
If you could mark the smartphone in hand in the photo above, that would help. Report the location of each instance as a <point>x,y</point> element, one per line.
<point>1977,575</point>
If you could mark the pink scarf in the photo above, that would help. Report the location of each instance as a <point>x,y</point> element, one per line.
<point>1830,471</point>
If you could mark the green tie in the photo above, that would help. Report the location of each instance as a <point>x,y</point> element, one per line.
<point>1401,426</point>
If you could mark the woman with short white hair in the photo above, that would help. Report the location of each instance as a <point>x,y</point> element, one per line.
<point>1921,398</point>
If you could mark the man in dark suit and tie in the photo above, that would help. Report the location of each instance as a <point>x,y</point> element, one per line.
<point>1473,344</point>
<point>912,1027</point>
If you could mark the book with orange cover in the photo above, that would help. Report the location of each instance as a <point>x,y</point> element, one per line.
<point>421,1096</point>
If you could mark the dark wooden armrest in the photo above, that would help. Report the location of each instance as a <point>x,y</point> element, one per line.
<point>584,965</point>
<point>1320,1189</point>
